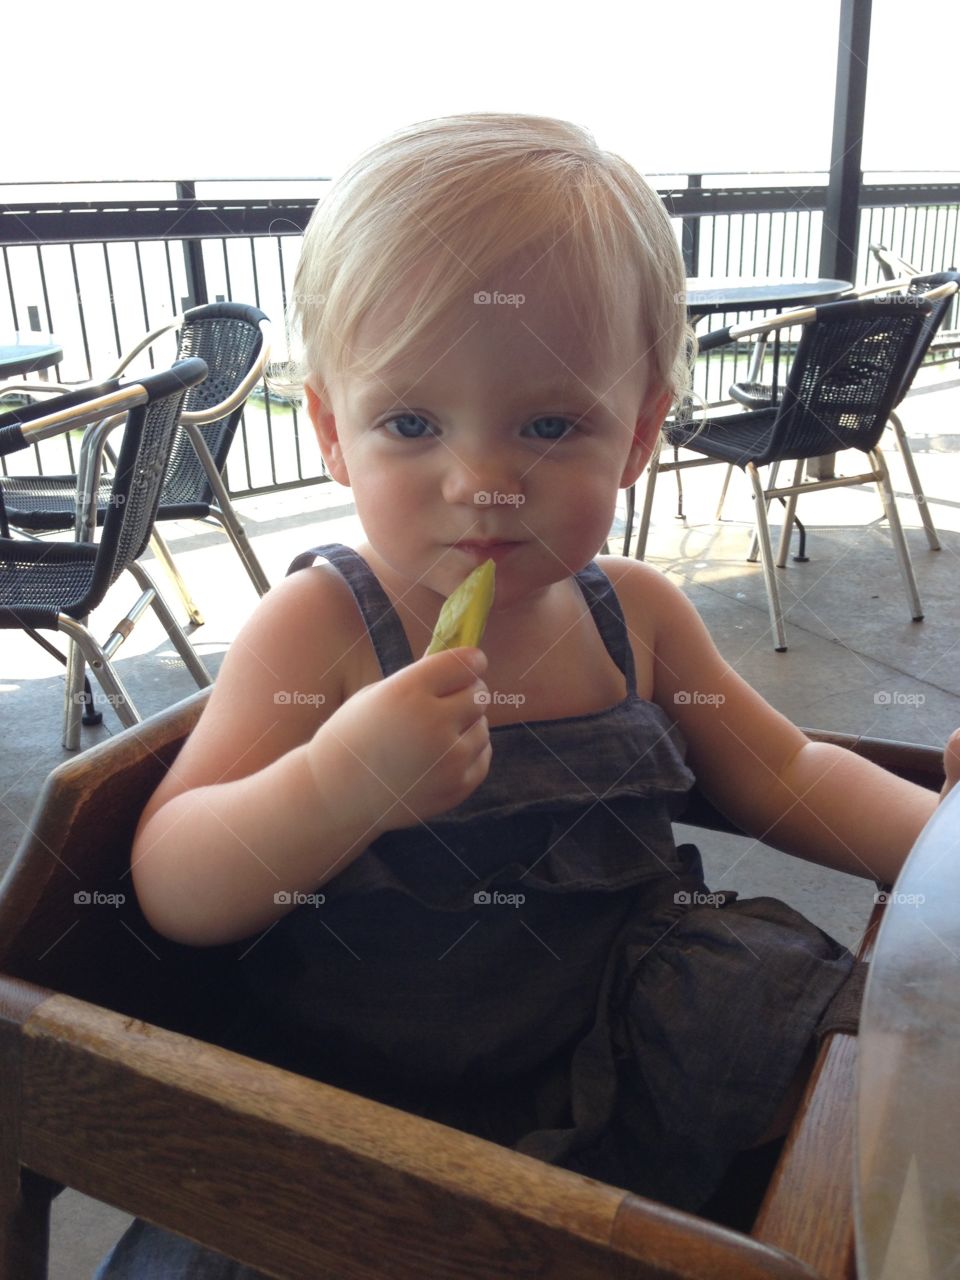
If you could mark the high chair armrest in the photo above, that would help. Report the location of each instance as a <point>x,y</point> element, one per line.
<point>301,1180</point>
<point>815,1170</point>
<point>288,1175</point>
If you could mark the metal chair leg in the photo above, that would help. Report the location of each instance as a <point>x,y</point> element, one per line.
<point>788,515</point>
<point>223,512</point>
<point>766,550</point>
<point>170,625</point>
<point>896,533</point>
<point>163,553</point>
<point>919,497</point>
<point>723,491</point>
<point>653,466</point>
<point>628,524</point>
<point>227,518</point>
<point>72,695</point>
<point>755,540</point>
<point>109,681</point>
<point>84,649</point>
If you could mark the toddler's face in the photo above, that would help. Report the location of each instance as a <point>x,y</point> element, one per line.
<point>510,438</point>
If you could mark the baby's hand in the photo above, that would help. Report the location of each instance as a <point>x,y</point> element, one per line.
<point>408,747</point>
<point>951,762</point>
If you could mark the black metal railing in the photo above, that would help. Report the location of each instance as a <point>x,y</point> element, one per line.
<point>100,273</point>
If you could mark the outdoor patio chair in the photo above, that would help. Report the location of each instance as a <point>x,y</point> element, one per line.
<point>234,341</point>
<point>111,1082</point>
<point>757,395</point>
<point>843,383</point>
<point>56,585</point>
<point>893,266</point>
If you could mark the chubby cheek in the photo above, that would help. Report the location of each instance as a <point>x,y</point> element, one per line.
<point>581,522</point>
<point>385,505</point>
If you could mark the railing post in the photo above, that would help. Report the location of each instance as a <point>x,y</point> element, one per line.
<point>841,219</point>
<point>193,257</point>
<point>838,243</point>
<point>690,231</point>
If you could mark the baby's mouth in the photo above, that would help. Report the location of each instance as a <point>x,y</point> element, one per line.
<point>487,548</point>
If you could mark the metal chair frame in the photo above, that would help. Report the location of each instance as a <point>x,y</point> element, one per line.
<point>892,266</point>
<point>219,507</point>
<point>755,395</point>
<point>915,309</point>
<point>149,409</point>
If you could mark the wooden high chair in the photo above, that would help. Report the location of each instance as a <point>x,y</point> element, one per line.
<point>107,1087</point>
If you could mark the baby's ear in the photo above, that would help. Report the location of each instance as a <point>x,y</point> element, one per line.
<point>646,429</point>
<point>320,409</point>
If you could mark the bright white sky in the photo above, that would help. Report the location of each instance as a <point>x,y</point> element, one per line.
<point>297,89</point>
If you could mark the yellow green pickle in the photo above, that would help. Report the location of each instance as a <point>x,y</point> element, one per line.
<point>464,613</point>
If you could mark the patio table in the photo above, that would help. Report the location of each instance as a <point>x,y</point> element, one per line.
<point>707,296</point>
<point>22,353</point>
<point>907,1169</point>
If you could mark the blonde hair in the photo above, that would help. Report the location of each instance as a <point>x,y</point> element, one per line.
<point>457,199</point>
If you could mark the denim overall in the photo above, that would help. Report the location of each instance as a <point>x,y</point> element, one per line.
<point>541,966</point>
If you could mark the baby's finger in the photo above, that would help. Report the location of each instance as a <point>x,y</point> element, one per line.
<point>453,669</point>
<point>475,739</point>
<point>472,706</point>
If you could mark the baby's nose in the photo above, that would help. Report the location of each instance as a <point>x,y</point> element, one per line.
<point>482,479</point>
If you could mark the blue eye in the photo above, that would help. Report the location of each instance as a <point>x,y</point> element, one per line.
<point>409,426</point>
<point>555,428</point>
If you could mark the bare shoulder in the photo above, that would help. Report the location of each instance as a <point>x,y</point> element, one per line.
<point>727,726</point>
<point>293,663</point>
<point>635,578</point>
<point>651,600</point>
<point>653,607</point>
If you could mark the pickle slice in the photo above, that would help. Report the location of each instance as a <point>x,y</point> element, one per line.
<point>464,613</point>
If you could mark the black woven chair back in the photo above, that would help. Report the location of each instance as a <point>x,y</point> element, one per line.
<point>845,377</point>
<point>141,465</point>
<point>933,323</point>
<point>227,337</point>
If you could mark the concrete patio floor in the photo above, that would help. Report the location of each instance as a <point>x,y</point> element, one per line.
<point>856,662</point>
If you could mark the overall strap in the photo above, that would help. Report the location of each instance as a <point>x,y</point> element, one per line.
<point>608,616</point>
<point>384,626</point>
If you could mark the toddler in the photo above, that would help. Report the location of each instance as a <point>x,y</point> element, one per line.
<point>457,873</point>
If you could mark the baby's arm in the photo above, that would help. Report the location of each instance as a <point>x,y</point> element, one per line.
<point>814,800</point>
<point>283,783</point>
